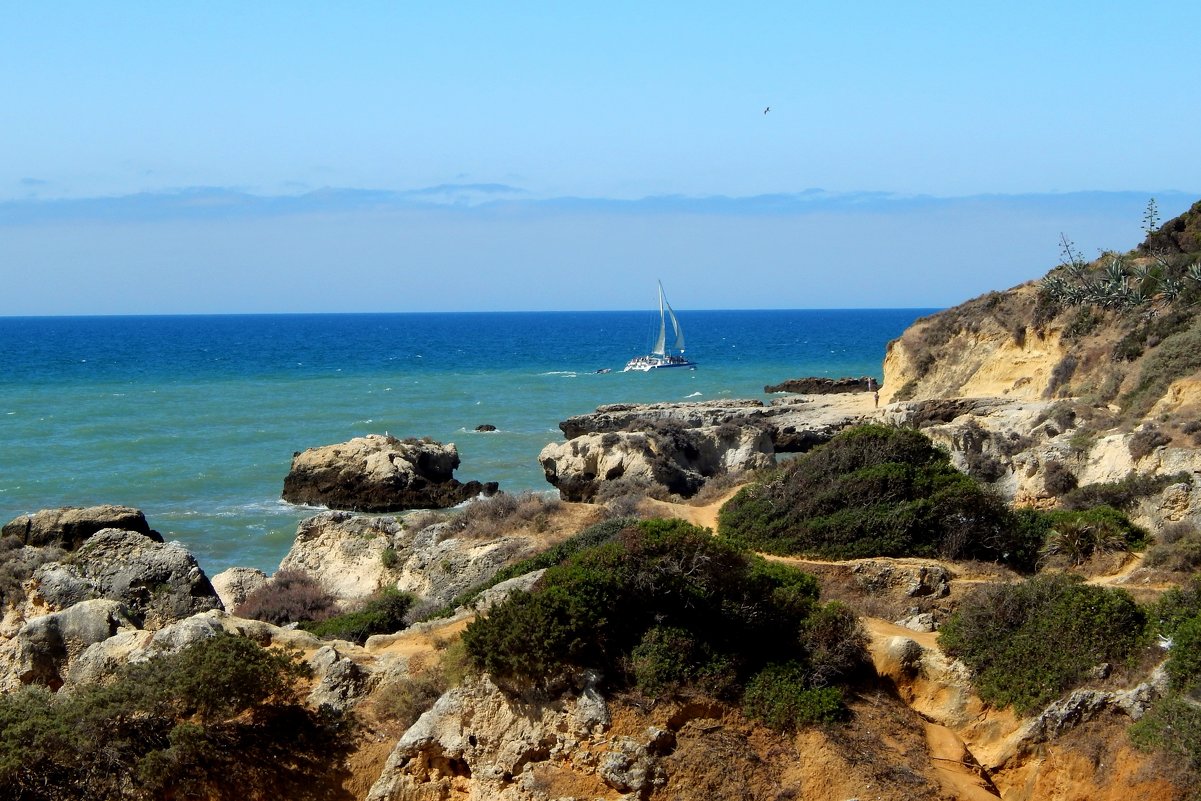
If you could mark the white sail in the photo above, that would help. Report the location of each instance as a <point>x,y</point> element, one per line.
<point>675,326</point>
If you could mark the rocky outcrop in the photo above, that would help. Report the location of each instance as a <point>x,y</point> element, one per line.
<point>1017,446</point>
<point>379,473</point>
<point>823,386</point>
<point>69,526</point>
<point>353,556</point>
<point>677,460</point>
<point>676,447</point>
<point>158,583</point>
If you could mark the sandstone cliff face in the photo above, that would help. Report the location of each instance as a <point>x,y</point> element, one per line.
<point>988,347</point>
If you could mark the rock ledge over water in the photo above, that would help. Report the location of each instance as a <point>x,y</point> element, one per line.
<point>379,473</point>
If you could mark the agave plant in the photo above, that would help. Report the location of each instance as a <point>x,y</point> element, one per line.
<point>1115,271</point>
<point>1194,271</point>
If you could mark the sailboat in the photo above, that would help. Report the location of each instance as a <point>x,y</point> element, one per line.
<point>659,358</point>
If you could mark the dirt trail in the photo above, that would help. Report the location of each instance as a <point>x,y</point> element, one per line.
<point>703,516</point>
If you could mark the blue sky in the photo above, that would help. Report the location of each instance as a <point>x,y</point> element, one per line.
<point>219,156</point>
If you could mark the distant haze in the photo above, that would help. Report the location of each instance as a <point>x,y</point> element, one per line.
<point>210,251</point>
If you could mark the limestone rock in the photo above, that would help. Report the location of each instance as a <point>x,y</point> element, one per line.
<point>43,649</point>
<point>341,682</point>
<point>69,526</point>
<point>344,552</point>
<point>158,582</point>
<point>912,577</point>
<point>678,460</point>
<point>233,585</point>
<point>476,740</point>
<point>378,473</point>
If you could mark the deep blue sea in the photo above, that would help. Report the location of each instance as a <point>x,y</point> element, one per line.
<point>194,419</point>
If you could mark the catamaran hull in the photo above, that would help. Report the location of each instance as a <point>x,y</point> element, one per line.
<point>646,367</point>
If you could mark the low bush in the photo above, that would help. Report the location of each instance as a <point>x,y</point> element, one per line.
<point>1177,356</point>
<point>1177,547</point>
<point>1146,440</point>
<point>1173,724</point>
<point>1174,607</point>
<point>871,491</point>
<point>291,596</point>
<point>1058,479</point>
<point>485,518</point>
<point>1124,493</point>
<point>382,613</point>
<point>665,606</point>
<point>985,467</point>
<point>206,722</point>
<point>1026,644</point>
<point>782,696</point>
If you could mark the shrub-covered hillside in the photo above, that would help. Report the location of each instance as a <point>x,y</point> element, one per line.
<point>1117,329</point>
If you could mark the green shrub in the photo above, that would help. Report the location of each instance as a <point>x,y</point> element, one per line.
<point>1058,479</point>
<point>1184,666</point>
<point>782,696</point>
<point>664,606</point>
<point>1174,607</point>
<point>1028,643</point>
<point>206,722</point>
<point>383,613</point>
<point>1173,727</point>
<point>870,491</point>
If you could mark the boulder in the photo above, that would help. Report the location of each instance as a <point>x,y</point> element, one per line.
<point>345,553</point>
<point>341,682</point>
<point>233,585</point>
<point>158,582</point>
<point>379,473</point>
<point>69,526</point>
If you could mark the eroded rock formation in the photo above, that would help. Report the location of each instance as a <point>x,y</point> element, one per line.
<point>676,447</point>
<point>379,473</point>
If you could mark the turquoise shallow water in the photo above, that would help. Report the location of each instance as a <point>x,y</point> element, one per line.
<point>194,419</point>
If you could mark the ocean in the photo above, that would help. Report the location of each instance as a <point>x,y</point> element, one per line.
<point>194,419</point>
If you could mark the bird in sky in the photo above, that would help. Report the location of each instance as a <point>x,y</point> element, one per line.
<point>767,109</point>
